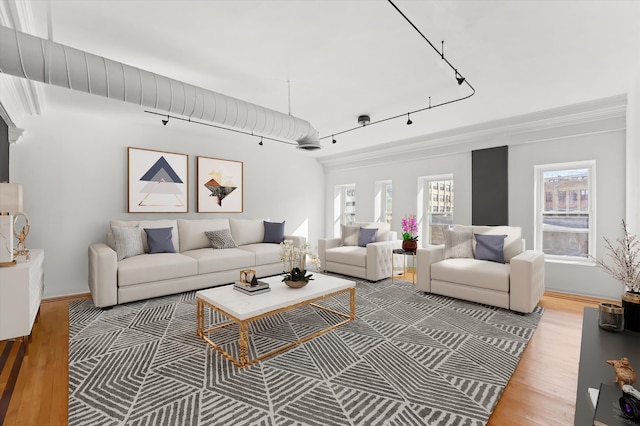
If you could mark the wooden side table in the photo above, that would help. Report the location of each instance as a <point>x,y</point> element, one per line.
<point>413,268</point>
<point>21,288</point>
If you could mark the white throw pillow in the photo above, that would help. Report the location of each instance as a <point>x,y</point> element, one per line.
<point>458,244</point>
<point>128,241</point>
<point>350,235</point>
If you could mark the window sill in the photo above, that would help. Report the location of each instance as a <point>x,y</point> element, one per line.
<point>567,260</point>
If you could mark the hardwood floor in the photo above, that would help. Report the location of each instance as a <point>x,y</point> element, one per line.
<point>540,392</point>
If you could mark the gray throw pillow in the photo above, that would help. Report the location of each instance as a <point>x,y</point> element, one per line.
<point>367,235</point>
<point>159,240</point>
<point>350,235</point>
<point>458,244</point>
<point>221,239</point>
<point>273,232</point>
<point>128,241</point>
<point>490,247</point>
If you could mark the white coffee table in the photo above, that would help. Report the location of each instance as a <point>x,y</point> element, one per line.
<point>241,309</point>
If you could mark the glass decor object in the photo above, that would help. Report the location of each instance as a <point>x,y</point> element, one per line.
<point>611,317</point>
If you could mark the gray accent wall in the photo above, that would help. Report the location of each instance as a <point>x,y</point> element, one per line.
<point>490,186</point>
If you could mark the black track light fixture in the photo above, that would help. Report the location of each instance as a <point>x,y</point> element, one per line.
<point>459,78</point>
<point>333,139</point>
<point>260,143</point>
<point>409,122</point>
<point>164,122</point>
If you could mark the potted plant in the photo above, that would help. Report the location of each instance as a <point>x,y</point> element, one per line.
<point>409,233</point>
<point>625,255</point>
<point>294,262</point>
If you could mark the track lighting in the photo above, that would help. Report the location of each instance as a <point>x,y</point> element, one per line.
<point>164,122</point>
<point>260,143</point>
<point>409,122</point>
<point>333,139</point>
<point>459,78</point>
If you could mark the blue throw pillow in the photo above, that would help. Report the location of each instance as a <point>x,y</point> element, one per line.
<point>490,247</point>
<point>273,232</point>
<point>159,240</point>
<point>367,235</point>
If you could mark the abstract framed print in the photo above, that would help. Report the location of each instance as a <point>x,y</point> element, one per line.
<point>220,185</point>
<point>157,181</point>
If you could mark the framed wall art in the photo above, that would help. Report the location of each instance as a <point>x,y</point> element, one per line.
<point>220,185</point>
<point>157,181</point>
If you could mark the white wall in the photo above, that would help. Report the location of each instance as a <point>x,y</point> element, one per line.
<point>589,131</point>
<point>73,167</point>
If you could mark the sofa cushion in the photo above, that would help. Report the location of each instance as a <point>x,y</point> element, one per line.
<point>264,253</point>
<point>221,239</point>
<point>349,235</point>
<point>221,260</point>
<point>247,231</point>
<point>127,241</point>
<point>160,223</point>
<point>192,232</point>
<point>273,232</point>
<point>472,272</point>
<point>157,267</point>
<point>159,240</point>
<point>490,247</point>
<point>458,244</point>
<point>352,255</point>
<point>366,236</point>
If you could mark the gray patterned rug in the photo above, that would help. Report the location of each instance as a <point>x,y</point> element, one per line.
<point>408,359</point>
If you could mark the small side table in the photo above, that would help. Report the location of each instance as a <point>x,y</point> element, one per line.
<point>405,270</point>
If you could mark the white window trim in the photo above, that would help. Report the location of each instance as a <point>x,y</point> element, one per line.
<point>424,202</point>
<point>539,201</point>
<point>380,200</point>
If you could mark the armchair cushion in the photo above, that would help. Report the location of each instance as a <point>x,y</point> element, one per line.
<point>473,272</point>
<point>490,247</point>
<point>367,235</point>
<point>351,255</point>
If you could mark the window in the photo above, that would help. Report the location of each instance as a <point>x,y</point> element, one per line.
<point>565,214</point>
<point>344,206</point>
<point>383,201</point>
<point>437,197</point>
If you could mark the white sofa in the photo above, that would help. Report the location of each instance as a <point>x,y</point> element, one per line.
<point>371,261</point>
<point>194,265</point>
<point>517,284</point>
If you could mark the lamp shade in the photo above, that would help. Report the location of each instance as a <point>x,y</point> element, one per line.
<point>10,197</point>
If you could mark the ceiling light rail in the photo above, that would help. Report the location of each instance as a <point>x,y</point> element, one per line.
<point>189,120</point>
<point>459,78</point>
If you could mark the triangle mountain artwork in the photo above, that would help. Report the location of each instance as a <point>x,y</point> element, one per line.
<point>218,190</point>
<point>162,181</point>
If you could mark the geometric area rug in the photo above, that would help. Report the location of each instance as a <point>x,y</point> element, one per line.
<point>409,358</point>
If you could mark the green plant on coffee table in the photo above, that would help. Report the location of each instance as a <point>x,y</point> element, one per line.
<point>294,261</point>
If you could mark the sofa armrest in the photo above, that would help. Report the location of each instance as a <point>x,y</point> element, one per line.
<point>325,244</point>
<point>526,281</point>
<point>297,240</point>
<point>425,258</point>
<point>103,275</point>
<point>379,259</point>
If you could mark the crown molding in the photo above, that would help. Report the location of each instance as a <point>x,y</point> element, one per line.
<point>597,116</point>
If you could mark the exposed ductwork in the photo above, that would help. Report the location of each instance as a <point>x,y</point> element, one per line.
<point>34,58</point>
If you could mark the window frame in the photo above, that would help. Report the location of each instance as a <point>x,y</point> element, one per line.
<point>539,206</point>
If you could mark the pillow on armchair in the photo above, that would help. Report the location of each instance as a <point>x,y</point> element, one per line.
<point>350,235</point>
<point>490,247</point>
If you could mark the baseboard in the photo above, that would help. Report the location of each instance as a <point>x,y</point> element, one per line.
<point>77,296</point>
<point>577,297</point>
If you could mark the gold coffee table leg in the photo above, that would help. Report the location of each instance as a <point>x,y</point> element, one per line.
<point>243,343</point>
<point>199,317</point>
<point>352,302</point>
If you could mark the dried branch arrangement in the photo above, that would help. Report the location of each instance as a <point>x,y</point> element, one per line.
<point>626,260</point>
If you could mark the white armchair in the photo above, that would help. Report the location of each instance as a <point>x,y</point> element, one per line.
<point>517,284</point>
<point>371,261</point>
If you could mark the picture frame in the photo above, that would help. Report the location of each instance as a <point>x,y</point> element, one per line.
<point>220,185</point>
<point>157,181</point>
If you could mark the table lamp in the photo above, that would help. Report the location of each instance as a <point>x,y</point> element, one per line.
<point>10,202</point>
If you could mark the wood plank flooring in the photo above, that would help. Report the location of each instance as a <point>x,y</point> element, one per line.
<point>540,392</point>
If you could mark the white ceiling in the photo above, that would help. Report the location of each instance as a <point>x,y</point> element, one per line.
<point>346,58</point>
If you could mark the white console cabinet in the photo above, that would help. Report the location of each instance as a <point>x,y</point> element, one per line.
<point>21,288</point>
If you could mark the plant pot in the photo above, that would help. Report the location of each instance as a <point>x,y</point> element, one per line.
<point>409,245</point>
<point>295,284</point>
<point>631,305</point>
